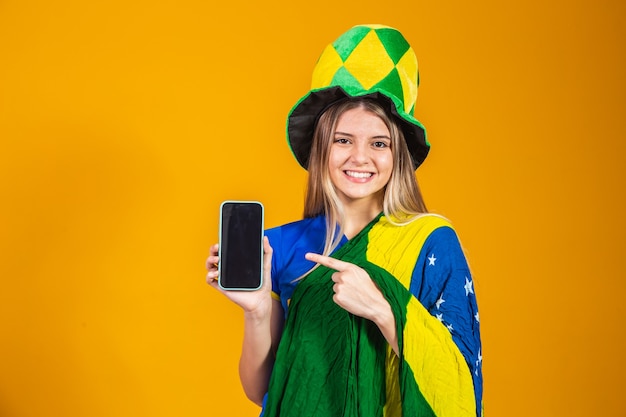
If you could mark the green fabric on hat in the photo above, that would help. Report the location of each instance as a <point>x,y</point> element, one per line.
<point>390,83</point>
<point>344,78</point>
<point>395,45</point>
<point>346,43</point>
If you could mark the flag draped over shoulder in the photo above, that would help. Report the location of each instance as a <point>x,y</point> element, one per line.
<point>331,363</point>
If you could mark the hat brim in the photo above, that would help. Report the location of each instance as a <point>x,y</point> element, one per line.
<point>304,115</point>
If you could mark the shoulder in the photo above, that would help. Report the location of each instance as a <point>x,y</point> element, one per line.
<point>439,231</point>
<point>444,234</point>
<point>444,242</point>
<point>413,234</point>
<point>436,230</point>
<point>292,240</point>
<point>294,230</point>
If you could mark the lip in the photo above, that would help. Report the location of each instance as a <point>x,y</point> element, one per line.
<point>358,176</point>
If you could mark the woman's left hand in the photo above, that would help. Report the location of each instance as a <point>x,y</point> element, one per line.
<point>354,290</point>
<point>356,293</point>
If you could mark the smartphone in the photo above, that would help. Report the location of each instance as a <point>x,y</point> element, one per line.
<point>241,245</point>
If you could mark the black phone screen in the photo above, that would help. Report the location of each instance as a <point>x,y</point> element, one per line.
<point>241,245</point>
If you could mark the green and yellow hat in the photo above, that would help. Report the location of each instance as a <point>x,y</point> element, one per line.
<point>366,61</point>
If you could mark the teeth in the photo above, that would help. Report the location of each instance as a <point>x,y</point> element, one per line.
<point>359,174</point>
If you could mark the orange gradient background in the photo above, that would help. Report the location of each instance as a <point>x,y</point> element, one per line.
<point>123,126</point>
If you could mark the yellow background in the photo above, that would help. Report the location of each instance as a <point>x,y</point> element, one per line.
<point>124,124</point>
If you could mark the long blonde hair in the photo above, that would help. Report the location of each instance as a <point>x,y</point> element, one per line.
<point>402,201</point>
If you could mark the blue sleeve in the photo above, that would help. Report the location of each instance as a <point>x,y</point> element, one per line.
<point>290,242</point>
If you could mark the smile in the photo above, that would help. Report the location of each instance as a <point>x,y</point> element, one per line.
<point>355,174</point>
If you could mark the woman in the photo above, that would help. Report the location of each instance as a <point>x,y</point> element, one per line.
<point>370,308</point>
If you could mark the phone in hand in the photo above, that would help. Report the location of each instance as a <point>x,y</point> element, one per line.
<point>241,245</point>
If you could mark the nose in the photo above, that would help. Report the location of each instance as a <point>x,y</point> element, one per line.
<point>360,153</point>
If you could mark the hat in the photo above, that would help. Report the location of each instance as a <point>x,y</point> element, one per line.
<point>372,61</point>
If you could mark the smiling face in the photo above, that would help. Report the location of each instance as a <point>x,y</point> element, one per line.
<point>360,160</point>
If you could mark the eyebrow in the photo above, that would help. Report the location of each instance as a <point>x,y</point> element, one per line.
<point>373,137</point>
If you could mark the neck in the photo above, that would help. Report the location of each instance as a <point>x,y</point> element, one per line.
<point>359,214</point>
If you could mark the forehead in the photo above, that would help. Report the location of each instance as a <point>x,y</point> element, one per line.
<point>360,121</point>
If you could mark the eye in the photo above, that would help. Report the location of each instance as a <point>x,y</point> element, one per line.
<point>341,141</point>
<point>380,144</point>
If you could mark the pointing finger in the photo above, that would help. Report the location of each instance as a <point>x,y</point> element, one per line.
<point>327,261</point>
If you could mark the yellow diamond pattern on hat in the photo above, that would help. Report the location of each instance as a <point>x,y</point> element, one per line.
<point>407,67</point>
<point>370,50</point>
<point>328,64</point>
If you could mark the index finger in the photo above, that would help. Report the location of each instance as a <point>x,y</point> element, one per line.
<point>327,261</point>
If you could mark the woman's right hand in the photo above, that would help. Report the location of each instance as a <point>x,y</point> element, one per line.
<point>258,302</point>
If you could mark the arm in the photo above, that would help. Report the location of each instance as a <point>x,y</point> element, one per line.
<point>260,340</point>
<point>442,283</point>
<point>263,320</point>
<point>385,320</point>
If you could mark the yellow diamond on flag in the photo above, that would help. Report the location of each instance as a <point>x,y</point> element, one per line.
<point>327,65</point>
<point>407,68</point>
<point>368,51</point>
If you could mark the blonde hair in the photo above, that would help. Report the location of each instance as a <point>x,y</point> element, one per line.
<point>402,200</point>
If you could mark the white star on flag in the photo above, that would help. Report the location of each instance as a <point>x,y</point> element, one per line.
<point>439,317</point>
<point>477,317</point>
<point>468,287</point>
<point>478,362</point>
<point>449,326</point>
<point>440,301</point>
<point>432,259</point>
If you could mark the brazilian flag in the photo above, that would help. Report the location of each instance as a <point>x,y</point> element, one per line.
<point>331,363</point>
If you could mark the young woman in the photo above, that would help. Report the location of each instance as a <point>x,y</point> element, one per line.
<point>369,309</point>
